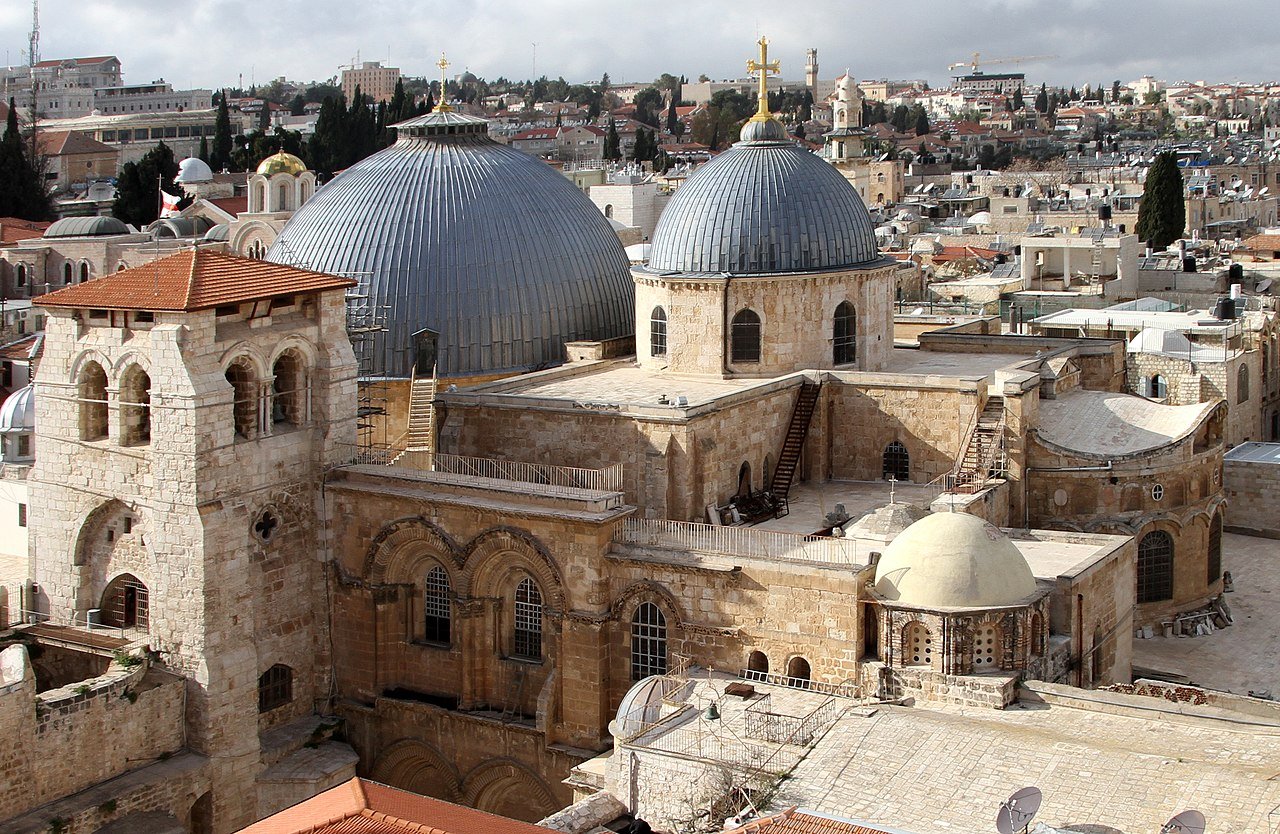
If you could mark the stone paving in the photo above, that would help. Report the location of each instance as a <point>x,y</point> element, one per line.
<point>947,769</point>
<point>1246,655</point>
<point>627,385</point>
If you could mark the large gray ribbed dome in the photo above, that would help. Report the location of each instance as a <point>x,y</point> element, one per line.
<point>763,207</point>
<point>494,250</point>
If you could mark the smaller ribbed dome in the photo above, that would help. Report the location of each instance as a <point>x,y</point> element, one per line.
<point>282,163</point>
<point>219,233</point>
<point>953,560</point>
<point>192,170</point>
<point>86,227</point>
<point>763,130</point>
<point>18,414</point>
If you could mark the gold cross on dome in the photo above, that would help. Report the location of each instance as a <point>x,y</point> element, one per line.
<point>442,106</point>
<point>764,67</point>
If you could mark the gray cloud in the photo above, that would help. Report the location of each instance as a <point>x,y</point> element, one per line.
<point>212,42</point>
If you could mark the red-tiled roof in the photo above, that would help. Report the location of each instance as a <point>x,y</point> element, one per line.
<point>364,807</point>
<point>192,280</point>
<point>21,350</point>
<point>13,230</point>
<point>57,62</point>
<point>232,205</point>
<point>537,133</point>
<point>792,821</point>
<point>67,142</point>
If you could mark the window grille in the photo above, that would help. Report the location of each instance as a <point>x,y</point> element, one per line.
<point>275,688</point>
<point>658,332</point>
<point>435,606</point>
<point>648,642</point>
<point>1155,567</point>
<point>528,621</point>
<point>896,462</point>
<point>745,337</point>
<point>844,335</point>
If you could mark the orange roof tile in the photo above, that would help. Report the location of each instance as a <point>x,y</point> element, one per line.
<point>363,807</point>
<point>192,280</point>
<point>69,142</point>
<point>793,821</point>
<point>232,205</point>
<point>13,230</point>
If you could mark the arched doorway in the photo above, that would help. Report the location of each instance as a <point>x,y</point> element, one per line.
<point>896,462</point>
<point>126,603</point>
<point>798,672</point>
<point>758,662</point>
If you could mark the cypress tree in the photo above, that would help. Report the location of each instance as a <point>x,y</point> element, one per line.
<point>1017,99</point>
<point>672,118</point>
<point>396,112</point>
<point>1162,216</point>
<point>221,157</point>
<point>612,144</point>
<point>138,186</point>
<point>922,122</point>
<point>1042,100</point>
<point>204,149</point>
<point>22,190</point>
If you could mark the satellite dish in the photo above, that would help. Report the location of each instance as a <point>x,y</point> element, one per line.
<point>1018,810</point>
<point>1188,822</point>
<point>1262,192</point>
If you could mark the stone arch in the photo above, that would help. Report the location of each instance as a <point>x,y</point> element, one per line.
<point>508,788</point>
<point>919,646</point>
<point>799,672</point>
<point>248,352</point>
<point>290,389</point>
<point>404,543</point>
<point>87,356</point>
<point>244,375</point>
<point>252,232</point>
<point>488,562</point>
<point>844,334</point>
<point>419,767</point>
<point>91,391</point>
<point>647,591</point>
<point>135,406</point>
<point>758,662</point>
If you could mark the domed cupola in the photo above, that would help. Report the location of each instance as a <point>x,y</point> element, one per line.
<point>494,252</point>
<point>770,211</point>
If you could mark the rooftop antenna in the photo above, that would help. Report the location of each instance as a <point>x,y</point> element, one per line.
<point>1188,822</point>
<point>1018,810</point>
<point>33,53</point>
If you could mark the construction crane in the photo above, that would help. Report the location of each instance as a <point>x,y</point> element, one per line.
<point>976,61</point>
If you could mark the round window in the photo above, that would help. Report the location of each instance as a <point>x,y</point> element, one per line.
<point>1157,492</point>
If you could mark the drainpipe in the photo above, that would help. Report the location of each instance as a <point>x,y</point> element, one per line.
<point>1079,641</point>
<point>1026,483</point>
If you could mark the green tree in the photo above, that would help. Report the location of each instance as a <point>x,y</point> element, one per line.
<point>22,189</point>
<point>139,184</point>
<point>900,117</point>
<point>612,144</point>
<point>648,103</point>
<point>204,149</point>
<point>221,153</point>
<point>673,118</point>
<point>1162,216</point>
<point>1042,100</point>
<point>264,117</point>
<point>399,101</point>
<point>922,121</point>
<point>1018,103</point>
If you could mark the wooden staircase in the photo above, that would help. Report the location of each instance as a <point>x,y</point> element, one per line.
<point>984,452</point>
<point>797,430</point>
<point>421,436</point>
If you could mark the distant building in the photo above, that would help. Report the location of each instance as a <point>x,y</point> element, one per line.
<point>65,87</point>
<point>76,159</point>
<point>374,80</point>
<point>158,96</point>
<point>996,82</point>
<point>134,134</point>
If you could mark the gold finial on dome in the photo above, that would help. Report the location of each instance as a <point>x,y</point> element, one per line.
<point>764,67</point>
<point>442,106</point>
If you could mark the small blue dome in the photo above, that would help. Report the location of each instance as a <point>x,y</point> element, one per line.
<point>764,206</point>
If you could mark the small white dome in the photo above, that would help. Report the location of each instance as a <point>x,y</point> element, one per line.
<point>18,414</point>
<point>1152,340</point>
<point>953,560</point>
<point>193,169</point>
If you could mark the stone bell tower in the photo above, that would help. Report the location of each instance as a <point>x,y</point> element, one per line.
<point>187,411</point>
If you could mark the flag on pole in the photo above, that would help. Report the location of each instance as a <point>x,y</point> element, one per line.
<point>168,204</point>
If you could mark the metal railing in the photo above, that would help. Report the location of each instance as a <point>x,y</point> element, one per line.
<point>538,478</point>
<point>779,728</point>
<point>735,541</point>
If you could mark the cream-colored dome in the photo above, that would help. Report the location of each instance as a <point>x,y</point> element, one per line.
<point>953,560</point>
<point>282,163</point>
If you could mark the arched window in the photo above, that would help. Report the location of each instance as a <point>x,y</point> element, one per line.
<point>986,648</point>
<point>658,332</point>
<point>798,672</point>
<point>275,688</point>
<point>1159,388</point>
<point>135,407</point>
<point>1155,567</point>
<point>844,335</point>
<point>282,199</point>
<point>917,645</point>
<point>758,662</point>
<point>21,280</point>
<point>288,390</point>
<point>244,403</point>
<point>608,211</point>
<point>745,337</point>
<point>1242,384</point>
<point>84,271</point>
<point>1037,638</point>
<point>1215,549</point>
<point>93,402</point>
<point>67,273</point>
<point>436,609</point>
<point>126,603</point>
<point>744,479</point>
<point>527,631</point>
<point>895,462</point>
<point>648,642</point>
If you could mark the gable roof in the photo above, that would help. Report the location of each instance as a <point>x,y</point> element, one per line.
<point>794,821</point>
<point>364,807</point>
<point>66,142</point>
<point>193,279</point>
<point>13,229</point>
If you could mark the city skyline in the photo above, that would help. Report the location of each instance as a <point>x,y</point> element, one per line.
<point>203,47</point>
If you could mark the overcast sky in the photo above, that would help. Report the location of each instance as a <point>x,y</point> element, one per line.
<point>210,43</point>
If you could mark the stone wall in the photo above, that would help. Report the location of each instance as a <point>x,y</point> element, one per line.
<point>57,737</point>
<point>1253,493</point>
<point>1189,383</point>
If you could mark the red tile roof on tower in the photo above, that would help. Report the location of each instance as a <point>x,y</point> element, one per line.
<point>793,821</point>
<point>364,807</point>
<point>192,280</point>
